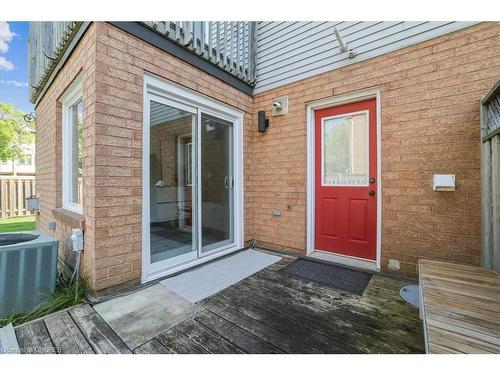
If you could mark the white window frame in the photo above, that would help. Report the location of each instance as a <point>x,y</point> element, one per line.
<point>72,96</point>
<point>367,133</point>
<point>170,93</point>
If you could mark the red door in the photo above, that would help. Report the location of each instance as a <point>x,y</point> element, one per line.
<point>346,172</point>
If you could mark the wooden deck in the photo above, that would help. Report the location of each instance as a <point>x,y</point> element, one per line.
<point>269,312</point>
<point>461,308</point>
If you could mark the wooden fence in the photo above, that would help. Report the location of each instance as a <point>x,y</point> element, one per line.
<point>490,179</point>
<point>13,193</point>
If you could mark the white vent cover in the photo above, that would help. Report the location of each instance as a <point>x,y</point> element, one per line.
<point>444,182</point>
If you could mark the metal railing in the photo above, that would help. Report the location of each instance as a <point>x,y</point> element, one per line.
<point>228,45</point>
<point>47,41</point>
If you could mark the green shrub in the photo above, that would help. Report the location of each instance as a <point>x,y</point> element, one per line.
<point>65,295</point>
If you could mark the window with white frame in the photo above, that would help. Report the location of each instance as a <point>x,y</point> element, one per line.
<point>72,136</point>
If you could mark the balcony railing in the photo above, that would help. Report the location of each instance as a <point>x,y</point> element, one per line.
<point>47,43</point>
<point>229,45</point>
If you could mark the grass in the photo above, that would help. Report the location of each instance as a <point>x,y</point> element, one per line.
<point>63,297</point>
<point>17,224</point>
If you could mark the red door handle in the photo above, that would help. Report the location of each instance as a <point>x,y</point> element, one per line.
<point>371,193</point>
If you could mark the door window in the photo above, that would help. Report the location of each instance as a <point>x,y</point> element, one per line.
<point>345,150</point>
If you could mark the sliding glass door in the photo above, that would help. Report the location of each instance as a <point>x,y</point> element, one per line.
<point>216,182</point>
<point>171,193</point>
<point>189,187</point>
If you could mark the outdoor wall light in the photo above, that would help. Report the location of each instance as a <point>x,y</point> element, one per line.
<point>280,106</point>
<point>263,122</point>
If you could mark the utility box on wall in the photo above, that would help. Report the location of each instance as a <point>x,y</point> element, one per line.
<point>444,182</point>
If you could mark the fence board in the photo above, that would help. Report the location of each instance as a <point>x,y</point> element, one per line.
<point>486,207</point>
<point>3,198</point>
<point>490,179</point>
<point>13,194</point>
<point>495,201</point>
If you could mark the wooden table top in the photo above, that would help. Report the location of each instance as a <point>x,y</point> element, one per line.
<point>460,306</point>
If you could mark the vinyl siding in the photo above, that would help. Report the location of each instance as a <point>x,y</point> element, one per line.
<point>291,51</point>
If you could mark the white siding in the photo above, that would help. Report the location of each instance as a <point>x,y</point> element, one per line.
<point>291,51</point>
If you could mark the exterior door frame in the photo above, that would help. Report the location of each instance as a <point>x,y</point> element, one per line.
<point>352,97</point>
<point>182,96</point>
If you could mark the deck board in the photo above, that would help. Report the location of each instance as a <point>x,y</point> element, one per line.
<point>376,326</point>
<point>461,308</point>
<point>202,337</point>
<point>268,312</point>
<point>258,328</point>
<point>236,335</point>
<point>34,338</point>
<point>153,347</point>
<point>65,335</point>
<point>97,332</point>
<point>298,332</point>
<point>176,341</point>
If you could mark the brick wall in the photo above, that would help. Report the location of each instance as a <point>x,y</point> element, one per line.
<point>49,150</point>
<point>430,124</point>
<point>163,149</point>
<point>113,64</point>
<point>121,61</point>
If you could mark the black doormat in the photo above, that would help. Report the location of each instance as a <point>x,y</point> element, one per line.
<point>343,278</point>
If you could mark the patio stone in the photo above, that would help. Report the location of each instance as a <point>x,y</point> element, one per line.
<point>8,341</point>
<point>140,316</point>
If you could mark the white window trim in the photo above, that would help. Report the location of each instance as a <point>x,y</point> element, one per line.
<point>323,120</point>
<point>72,96</point>
<point>170,93</point>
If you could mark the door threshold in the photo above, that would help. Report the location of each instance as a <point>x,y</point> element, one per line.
<point>183,267</point>
<point>365,264</point>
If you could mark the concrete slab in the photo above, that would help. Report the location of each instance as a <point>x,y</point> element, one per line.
<point>8,340</point>
<point>140,316</point>
<point>215,276</point>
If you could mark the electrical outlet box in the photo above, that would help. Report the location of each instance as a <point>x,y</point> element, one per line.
<point>280,106</point>
<point>393,264</point>
<point>77,239</point>
<point>444,182</point>
<point>277,213</point>
<point>32,203</point>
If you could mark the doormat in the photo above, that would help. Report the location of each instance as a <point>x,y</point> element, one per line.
<point>339,277</point>
<point>213,277</point>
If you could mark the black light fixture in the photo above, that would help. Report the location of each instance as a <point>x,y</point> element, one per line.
<point>263,122</point>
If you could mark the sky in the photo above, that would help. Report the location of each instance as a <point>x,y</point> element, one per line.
<point>14,65</point>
